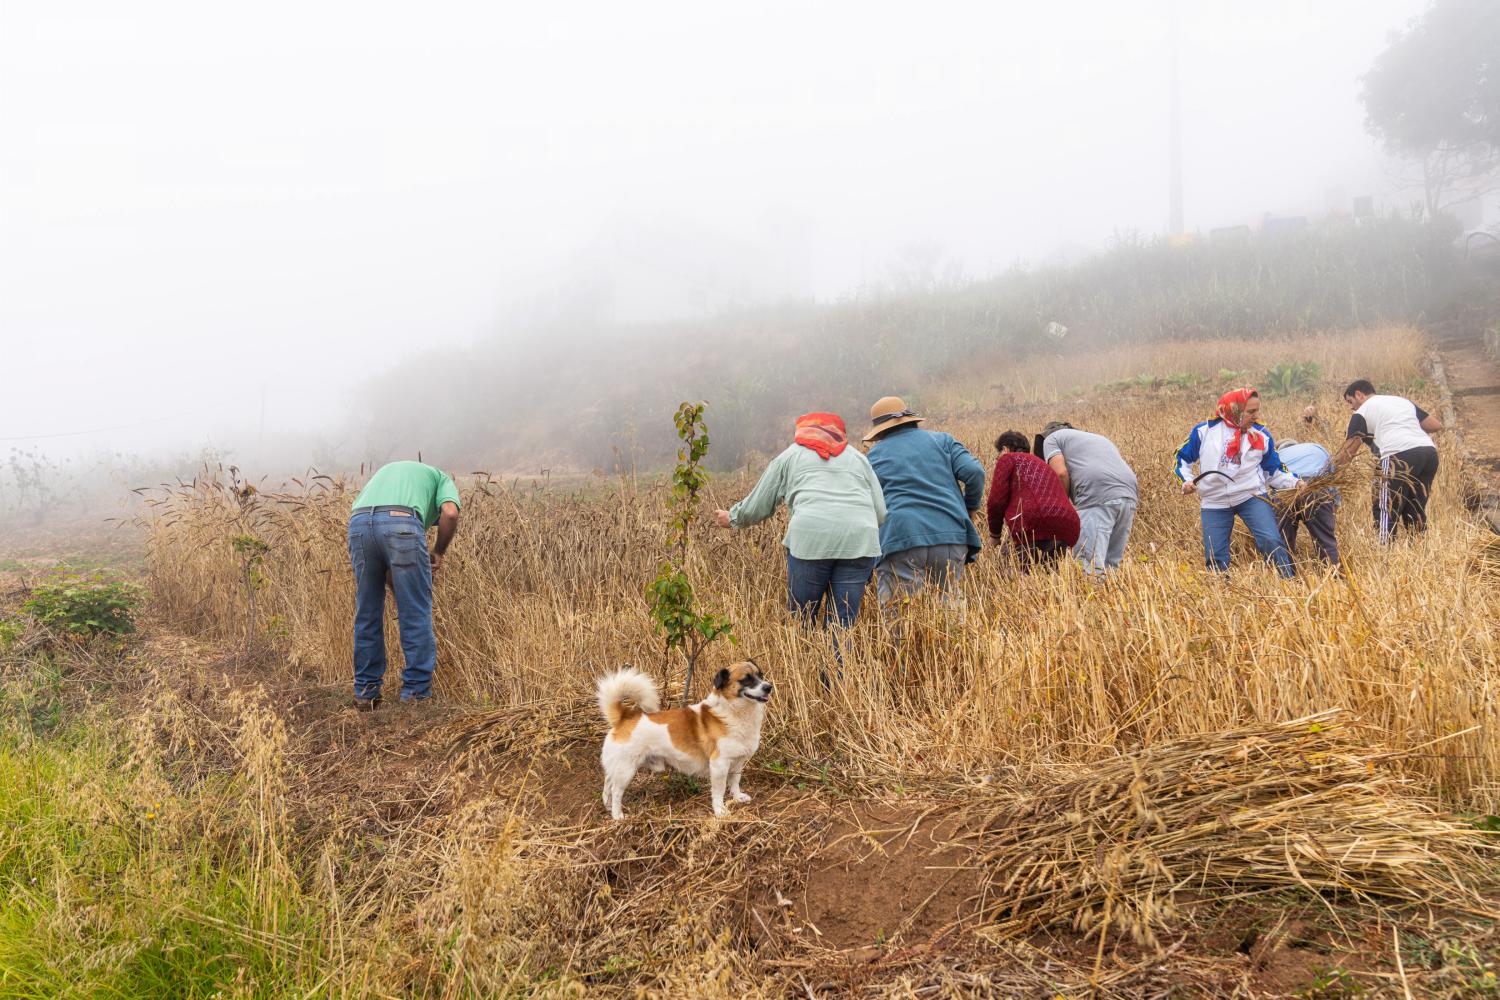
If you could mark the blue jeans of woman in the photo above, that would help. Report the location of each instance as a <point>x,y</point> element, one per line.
<point>382,539</point>
<point>1260,517</point>
<point>810,582</point>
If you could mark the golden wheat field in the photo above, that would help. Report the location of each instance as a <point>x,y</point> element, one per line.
<point>543,591</point>
<point>1098,760</point>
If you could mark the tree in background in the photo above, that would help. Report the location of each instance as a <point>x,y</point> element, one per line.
<point>1433,96</point>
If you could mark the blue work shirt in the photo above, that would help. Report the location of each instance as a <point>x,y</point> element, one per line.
<point>932,486</point>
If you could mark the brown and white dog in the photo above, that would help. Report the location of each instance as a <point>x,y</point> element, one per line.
<point>711,739</point>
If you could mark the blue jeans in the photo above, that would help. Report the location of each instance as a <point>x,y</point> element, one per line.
<point>809,581</point>
<point>1260,517</point>
<point>379,541</point>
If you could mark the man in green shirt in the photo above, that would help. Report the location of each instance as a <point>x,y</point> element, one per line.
<point>388,542</point>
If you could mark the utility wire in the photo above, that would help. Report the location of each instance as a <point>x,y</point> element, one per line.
<point>96,430</point>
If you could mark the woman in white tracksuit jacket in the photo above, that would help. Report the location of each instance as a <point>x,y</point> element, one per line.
<point>1237,459</point>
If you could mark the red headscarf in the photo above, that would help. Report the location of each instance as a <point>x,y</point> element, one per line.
<point>1232,410</point>
<point>823,433</point>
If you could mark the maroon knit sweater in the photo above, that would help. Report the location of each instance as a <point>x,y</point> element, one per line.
<point>1028,498</point>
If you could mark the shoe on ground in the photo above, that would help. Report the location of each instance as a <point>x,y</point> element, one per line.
<point>367,704</point>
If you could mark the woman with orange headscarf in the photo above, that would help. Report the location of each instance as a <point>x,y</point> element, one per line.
<point>833,538</point>
<point>1236,458</point>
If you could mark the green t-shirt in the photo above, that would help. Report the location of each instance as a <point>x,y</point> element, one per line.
<point>409,484</point>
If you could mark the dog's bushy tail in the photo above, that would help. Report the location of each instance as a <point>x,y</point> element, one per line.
<point>626,685</point>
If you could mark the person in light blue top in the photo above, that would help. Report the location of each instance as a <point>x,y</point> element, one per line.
<point>833,537</point>
<point>933,486</point>
<point>1306,459</point>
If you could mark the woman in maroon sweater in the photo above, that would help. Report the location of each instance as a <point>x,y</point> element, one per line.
<point>1027,497</point>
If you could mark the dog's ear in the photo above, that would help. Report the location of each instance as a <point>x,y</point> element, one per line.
<point>721,678</point>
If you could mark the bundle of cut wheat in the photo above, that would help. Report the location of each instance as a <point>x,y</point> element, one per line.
<point>1318,489</point>
<point>518,733</point>
<point>1297,805</point>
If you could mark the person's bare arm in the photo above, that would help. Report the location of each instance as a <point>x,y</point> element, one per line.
<point>1431,424</point>
<point>1060,466</point>
<point>1347,451</point>
<point>446,528</point>
<point>1355,437</point>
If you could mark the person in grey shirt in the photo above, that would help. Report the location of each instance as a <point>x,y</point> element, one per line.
<point>1102,488</point>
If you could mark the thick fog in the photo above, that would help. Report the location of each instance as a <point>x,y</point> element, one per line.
<point>220,223</point>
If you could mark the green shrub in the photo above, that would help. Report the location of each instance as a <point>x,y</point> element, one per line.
<point>1143,381</point>
<point>10,634</point>
<point>85,604</point>
<point>1232,376</point>
<point>1185,380</point>
<point>1291,378</point>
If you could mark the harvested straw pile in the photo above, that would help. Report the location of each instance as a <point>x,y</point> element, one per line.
<point>514,735</point>
<point>1486,556</point>
<point>1295,805</point>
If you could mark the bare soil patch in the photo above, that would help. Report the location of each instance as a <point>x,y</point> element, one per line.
<point>890,873</point>
<point>1472,376</point>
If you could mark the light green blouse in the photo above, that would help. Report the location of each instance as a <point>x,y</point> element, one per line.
<point>836,505</point>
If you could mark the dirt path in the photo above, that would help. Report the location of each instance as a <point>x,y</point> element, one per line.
<point>1471,376</point>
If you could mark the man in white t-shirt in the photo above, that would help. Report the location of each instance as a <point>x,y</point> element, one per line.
<point>1396,430</point>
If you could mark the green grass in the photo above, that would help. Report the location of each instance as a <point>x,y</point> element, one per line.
<point>112,885</point>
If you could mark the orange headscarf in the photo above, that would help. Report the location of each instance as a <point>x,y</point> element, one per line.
<point>1232,410</point>
<point>822,432</point>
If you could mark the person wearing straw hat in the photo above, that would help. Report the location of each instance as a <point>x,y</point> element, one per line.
<point>1102,488</point>
<point>1237,459</point>
<point>932,487</point>
<point>833,537</point>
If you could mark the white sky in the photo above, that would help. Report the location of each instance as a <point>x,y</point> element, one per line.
<point>199,199</point>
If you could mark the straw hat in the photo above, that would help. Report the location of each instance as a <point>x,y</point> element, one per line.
<point>889,412</point>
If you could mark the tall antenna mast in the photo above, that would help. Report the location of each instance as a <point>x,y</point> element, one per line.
<point>1174,225</point>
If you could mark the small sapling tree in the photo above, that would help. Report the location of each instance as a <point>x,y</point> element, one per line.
<point>251,552</point>
<point>673,607</point>
<point>249,549</point>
